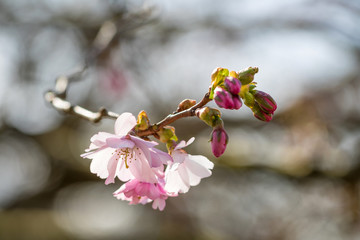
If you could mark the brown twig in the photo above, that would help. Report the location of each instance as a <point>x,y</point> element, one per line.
<point>173,117</point>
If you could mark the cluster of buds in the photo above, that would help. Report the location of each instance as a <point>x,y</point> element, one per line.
<point>151,175</point>
<point>228,87</point>
<point>227,96</point>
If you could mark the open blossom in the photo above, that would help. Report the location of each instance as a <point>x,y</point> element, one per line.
<point>124,156</point>
<point>186,170</point>
<point>136,192</point>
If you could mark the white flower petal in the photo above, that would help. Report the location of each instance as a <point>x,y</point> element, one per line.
<point>111,167</point>
<point>174,183</point>
<point>204,161</point>
<point>124,123</point>
<point>100,161</point>
<point>123,173</point>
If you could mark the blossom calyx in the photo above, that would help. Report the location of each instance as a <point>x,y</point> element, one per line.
<point>233,85</point>
<point>210,116</point>
<point>265,101</point>
<point>167,133</point>
<point>217,78</point>
<point>219,140</point>
<point>246,76</point>
<point>260,114</point>
<point>143,121</point>
<point>218,74</point>
<point>185,104</point>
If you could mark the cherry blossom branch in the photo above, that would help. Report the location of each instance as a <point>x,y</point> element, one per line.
<point>58,99</point>
<point>173,117</point>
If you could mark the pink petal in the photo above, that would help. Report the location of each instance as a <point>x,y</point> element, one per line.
<point>153,192</point>
<point>183,144</point>
<point>101,137</point>
<point>159,203</point>
<point>141,169</point>
<point>119,143</point>
<point>142,189</point>
<point>159,158</point>
<point>178,156</point>
<point>143,143</point>
<point>124,123</point>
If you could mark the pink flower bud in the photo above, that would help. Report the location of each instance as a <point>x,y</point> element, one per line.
<point>237,101</point>
<point>260,114</point>
<point>233,85</point>
<point>219,140</point>
<point>223,98</point>
<point>265,101</point>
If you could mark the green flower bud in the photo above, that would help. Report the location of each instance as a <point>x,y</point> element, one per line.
<point>249,99</point>
<point>210,116</point>
<point>246,76</point>
<point>143,122</point>
<point>217,78</point>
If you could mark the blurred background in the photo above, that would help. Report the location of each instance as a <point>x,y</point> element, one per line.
<point>296,177</point>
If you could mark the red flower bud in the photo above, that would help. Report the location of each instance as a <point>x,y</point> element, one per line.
<point>261,114</point>
<point>219,140</point>
<point>265,101</point>
<point>223,98</point>
<point>237,101</point>
<point>233,85</point>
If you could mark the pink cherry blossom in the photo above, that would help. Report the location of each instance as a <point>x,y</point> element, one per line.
<point>136,192</point>
<point>125,156</point>
<point>186,170</point>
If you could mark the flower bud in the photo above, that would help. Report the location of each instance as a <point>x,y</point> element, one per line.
<point>223,98</point>
<point>233,85</point>
<point>249,99</point>
<point>219,73</point>
<point>143,121</point>
<point>265,101</point>
<point>217,78</point>
<point>186,104</point>
<point>246,76</point>
<point>219,140</point>
<point>237,101</point>
<point>210,116</point>
<point>260,114</point>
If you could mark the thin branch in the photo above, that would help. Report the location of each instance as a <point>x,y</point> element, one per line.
<point>107,34</point>
<point>65,106</point>
<point>173,117</point>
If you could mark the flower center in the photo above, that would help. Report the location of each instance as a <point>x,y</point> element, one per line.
<point>129,154</point>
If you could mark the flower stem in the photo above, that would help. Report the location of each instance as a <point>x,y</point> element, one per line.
<point>173,117</point>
